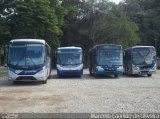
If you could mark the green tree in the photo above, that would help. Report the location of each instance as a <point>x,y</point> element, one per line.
<point>146,14</point>
<point>102,24</point>
<point>36,19</point>
<point>96,22</point>
<point>42,19</point>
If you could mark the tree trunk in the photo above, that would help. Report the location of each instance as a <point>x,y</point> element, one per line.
<point>0,55</point>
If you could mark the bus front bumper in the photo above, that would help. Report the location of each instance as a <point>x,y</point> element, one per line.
<point>119,73</point>
<point>143,72</point>
<point>37,77</point>
<point>109,70</point>
<point>69,72</point>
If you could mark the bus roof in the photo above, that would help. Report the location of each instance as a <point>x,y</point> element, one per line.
<point>99,45</point>
<point>72,47</point>
<point>28,40</point>
<point>140,47</point>
<point>106,45</point>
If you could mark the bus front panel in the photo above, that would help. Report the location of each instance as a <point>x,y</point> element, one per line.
<point>69,62</point>
<point>143,60</point>
<point>26,61</point>
<point>109,61</point>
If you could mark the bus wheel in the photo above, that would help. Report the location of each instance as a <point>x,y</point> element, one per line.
<point>116,76</point>
<point>149,75</point>
<point>90,71</point>
<point>44,82</point>
<point>59,76</point>
<point>49,77</point>
<point>15,82</point>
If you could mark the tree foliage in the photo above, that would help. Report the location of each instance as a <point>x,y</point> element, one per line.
<point>146,14</point>
<point>81,23</point>
<point>98,22</point>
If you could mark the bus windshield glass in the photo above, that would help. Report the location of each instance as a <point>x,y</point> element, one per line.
<point>26,54</point>
<point>144,56</point>
<point>69,56</point>
<point>109,57</point>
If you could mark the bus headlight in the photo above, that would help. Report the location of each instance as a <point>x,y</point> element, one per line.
<point>59,67</point>
<point>120,68</point>
<point>155,67</point>
<point>135,67</point>
<point>79,67</point>
<point>41,73</point>
<point>99,68</point>
<point>11,75</point>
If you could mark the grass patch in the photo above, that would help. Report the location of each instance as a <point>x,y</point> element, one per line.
<point>3,74</point>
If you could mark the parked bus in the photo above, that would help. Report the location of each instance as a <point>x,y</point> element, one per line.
<point>69,61</point>
<point>106,59</point>
<point>29,60</point>
<point>140,60</point>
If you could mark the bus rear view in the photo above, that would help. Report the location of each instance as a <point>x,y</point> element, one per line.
<point>140,60</point>
<point>28,60</point>
<point>69,61</point>
<point>106,59</point>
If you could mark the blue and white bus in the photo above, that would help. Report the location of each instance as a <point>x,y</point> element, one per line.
<point>140,60</point>
<point>29,60</point>
<point>69,61</point>
<point>106,59</point>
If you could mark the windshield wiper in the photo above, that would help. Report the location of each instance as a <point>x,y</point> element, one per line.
<point>34,64</point>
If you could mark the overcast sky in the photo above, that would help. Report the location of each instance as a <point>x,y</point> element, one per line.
<point>116,1</point>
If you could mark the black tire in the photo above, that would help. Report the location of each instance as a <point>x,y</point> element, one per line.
<point>116,75</point>
<point>59,76</point>
<point>95,75</point>
<point>90,71</point>
<point>49,77</point>
<point>44,82</point>
<point>15,82</point>
<point>149,75</point>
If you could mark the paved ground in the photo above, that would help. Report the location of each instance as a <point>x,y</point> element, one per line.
<point>83,95</point>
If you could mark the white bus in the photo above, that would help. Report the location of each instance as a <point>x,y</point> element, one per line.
<point>29,60</point>
<point>69,61</point>
<point>140,60</point>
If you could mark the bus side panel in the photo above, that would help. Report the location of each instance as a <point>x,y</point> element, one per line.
<point>48,62</point>
<point>127,62</point>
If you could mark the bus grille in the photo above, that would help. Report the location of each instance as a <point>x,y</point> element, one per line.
<point>26,78</point>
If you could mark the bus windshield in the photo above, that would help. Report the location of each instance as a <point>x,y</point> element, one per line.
<point>109,57</point>
<point>69,57</point>
<point>26,55</point>
<point>144,56</point>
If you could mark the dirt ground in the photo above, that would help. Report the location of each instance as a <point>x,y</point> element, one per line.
<point>82,95</point>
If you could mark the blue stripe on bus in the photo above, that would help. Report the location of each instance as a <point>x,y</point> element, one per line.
<point>25,72</point>
<point>30,72</point>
